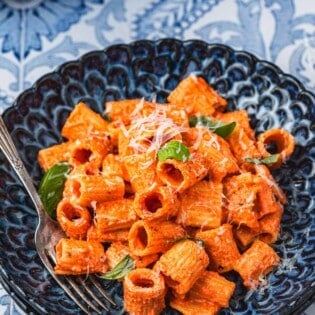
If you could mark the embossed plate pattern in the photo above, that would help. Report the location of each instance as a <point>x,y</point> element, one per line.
<point>144,69</point>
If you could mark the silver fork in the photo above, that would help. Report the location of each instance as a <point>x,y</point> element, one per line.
<point>48,233</point>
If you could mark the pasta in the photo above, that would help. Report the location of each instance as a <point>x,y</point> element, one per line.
<point>256,262</point>
<point>118,250</point>
<point>79,257</point>
<point>182,265</point>
<point>114,215</point>
<point>74,220</point>
<point>159,202</point>
<point>182,188</point>
<point>152,237</point>
<point>282,140</point>
<point>221,247</point>
<point>195,209</point>
<point>144,292</point>
<point>212,286</point>
<point>83,189</point>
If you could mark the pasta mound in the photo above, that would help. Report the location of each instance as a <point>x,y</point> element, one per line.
<point>183,189</point>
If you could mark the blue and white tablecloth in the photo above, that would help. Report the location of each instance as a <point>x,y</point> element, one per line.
<point>38,35</point>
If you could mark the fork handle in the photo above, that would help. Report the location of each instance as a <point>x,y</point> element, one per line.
<point>8,148</point>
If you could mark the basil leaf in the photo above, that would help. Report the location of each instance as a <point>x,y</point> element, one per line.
<point>51,187</point>
<point>225,130</point>
<point>174,150</point>
<point>107,117</point>
<point>220,128</point>
<point>121,269</point>
<point>267,160</point>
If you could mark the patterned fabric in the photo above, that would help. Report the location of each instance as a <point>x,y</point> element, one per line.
<point>38,35</point>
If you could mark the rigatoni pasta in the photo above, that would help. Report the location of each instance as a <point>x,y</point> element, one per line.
<point>182,265</point>
<point>214,287</point>
<point>256,262</point>
<point>221,247</point>
<point>184,189</point>
<point>74,220</point>
<point>79,257</point>
<point>160,202</point>
<point>83,122</point>
<point>152,237</point>
<point>144,292</point>
<point>84,189</point>
<point>114,215</point>
<point>195,209</point>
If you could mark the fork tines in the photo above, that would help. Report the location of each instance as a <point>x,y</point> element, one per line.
<point>91,294</point>
<point>86,291</point>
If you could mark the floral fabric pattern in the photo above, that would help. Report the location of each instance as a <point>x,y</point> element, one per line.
<point>47,33</point>
<point>36,36</point>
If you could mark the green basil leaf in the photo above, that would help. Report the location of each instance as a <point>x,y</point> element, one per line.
<point>174,150</point>
<point>107,117</point>
<point>51,187</point>
<point>225,129</point>
<point>198,120</point>
<point>220,128</point>
<point>267,160</point>
<point>121,269</point>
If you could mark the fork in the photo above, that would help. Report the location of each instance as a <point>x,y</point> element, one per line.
<point>81,290</point>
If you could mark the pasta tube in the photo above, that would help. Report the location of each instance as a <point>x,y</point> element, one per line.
<point>94,234</point>
<point>122,110</point>
<point>217,152</point>
<point>241,194</point>
<point>79,257</point>
<point>181,175</point>
<point>267,202</point>
<point>83,122</point>
<point>114,215</point>
<point>245,235</point>
<point>112,166</point>
<point>50,156</point>
<point>221,247</point>
<point>160,202</point>
<point>144,292</point>
<point>255,263</point>
<point>263,172</point>
<point>281,139</point>
<point>118,250</point>
<point>151,237</point>
<point>182,265</point>
<point>90,150</point>
<point>242,140</point>
<point>74,220</point>
<point>196,96</point>
<point>270,227</point>
<point>141,171</point>
<point>115,253</point>
<point>213,287</point>
<point>84,190</point>
<point>201,205</point>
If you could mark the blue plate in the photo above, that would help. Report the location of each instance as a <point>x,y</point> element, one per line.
<point>144,69</point>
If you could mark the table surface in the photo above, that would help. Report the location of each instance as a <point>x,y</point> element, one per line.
<point>38,35</point>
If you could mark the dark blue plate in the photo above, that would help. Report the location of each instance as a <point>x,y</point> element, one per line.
<point>144,69</point>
